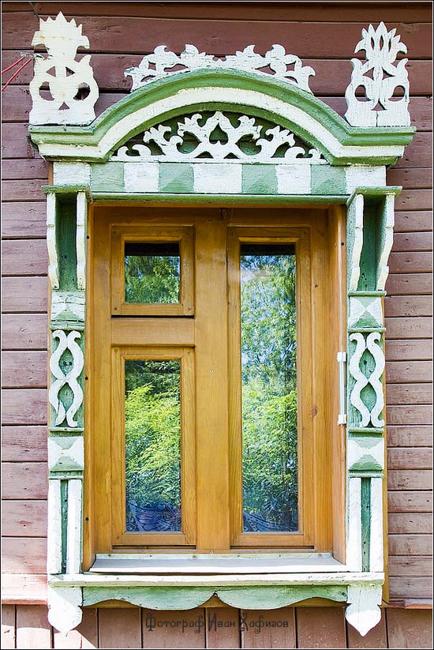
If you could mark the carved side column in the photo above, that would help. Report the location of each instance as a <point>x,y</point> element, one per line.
<point>66,227</point>
<point>369,239</point>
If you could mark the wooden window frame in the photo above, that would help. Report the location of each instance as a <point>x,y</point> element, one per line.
<point>215,511</point>
<point>152,234</point>
<point>186,537</point>
<point>300,237</point>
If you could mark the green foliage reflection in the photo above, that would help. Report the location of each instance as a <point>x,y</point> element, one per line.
<point>269,397</point>
<point>152,273</point>
<point>152,433</point>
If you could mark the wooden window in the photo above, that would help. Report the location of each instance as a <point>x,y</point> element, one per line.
<point>213,380</point>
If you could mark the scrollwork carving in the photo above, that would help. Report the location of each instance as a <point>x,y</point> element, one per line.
<point>237,133</point>
<point>281,65</point>
<point>369,417</point>
<point>67,342</point>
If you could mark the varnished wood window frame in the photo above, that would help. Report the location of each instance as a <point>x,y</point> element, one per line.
<point>300,238</point>
<point>185,537</point>
<point>213,530</point>
<point>152,234</point>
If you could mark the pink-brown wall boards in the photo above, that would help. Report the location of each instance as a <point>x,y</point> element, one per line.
<point>39,184</point>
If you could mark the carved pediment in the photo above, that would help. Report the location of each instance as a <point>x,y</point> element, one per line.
<point>218,137</point>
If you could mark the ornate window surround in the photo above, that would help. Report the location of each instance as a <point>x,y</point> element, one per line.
<point>349,170</point>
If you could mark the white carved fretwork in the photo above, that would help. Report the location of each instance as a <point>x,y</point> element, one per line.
<point>281,65</point>
<point>379,76</point>
<point>369,343</point>
<point>364,612</point>
<point>67,341</point>
<point>71,83</point>
<point>200,129</point>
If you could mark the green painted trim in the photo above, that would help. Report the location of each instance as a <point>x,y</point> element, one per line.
<point>68,326</point>
<point>366,294</point>
<point>357,473</point>
<point>66,475</point>
<point>260,179</point>
<point>66,189</point>
<point>375,191</point>
<point>268,85</point>
<point>183,598</point>
<point>327,179</point>
<point>107,177</point>
<point>366,521</point>
<point>223,199</point>
<point>354,431</point>
<point>276,597</point>
<point>64,520</point>
<point>176,177</point>
<point>366,330</point>
<point>65,430</point>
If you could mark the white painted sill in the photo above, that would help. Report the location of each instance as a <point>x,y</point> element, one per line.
<point>215,563</point>
<point>171,570</point>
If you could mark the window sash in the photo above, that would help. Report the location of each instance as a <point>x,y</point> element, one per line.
<point>210,334</point>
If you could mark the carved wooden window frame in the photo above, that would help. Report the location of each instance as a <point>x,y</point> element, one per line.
<point>349,171</point>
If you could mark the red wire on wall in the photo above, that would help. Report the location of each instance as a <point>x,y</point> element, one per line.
<point>26,58</point>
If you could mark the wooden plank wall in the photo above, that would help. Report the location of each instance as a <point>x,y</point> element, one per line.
<point>120,33</point>
<point>26,626</point>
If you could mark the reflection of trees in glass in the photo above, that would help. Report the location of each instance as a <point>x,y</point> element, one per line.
<point>152,278</point>
<point>269,398</point>
<point>152,434</point>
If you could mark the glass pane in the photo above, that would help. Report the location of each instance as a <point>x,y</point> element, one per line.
<point>152,273</point>
<point>269,388</point>
<point>152,438</point>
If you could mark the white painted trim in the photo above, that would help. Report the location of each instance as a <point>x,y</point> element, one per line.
<point>217,179</point>
<point>54,533</point>
<point>389,216</point>
<point>53,262</point>
<point>364,176</point>
<point>355,212</point>
<point>81,239</point>
<point>376,551</point>
<point>185,98</point>
<point>64,607</point>
<point>181,563</point>
<point>293,179</point>
<point>67,173</point>
<point>254,579</point>
<point>73,537</point>
<point>354,525</point>
<point>365,446</point>
<point>141,177</point>
<point>364,612</point>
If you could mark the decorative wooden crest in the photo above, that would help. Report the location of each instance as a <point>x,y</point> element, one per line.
<point>238,134</point>
<point>71,83</point>
<point>380,77</point>
<point>163,62</point>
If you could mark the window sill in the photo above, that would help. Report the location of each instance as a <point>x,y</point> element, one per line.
<point>215,564</point>
<point>240,581</point>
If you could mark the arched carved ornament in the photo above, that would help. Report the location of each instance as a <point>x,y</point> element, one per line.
<point>299,151</point>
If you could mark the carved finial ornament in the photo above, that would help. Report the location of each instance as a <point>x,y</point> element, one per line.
<point>160,63</point>
<point>71,83</point>
<point>379,76</point>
